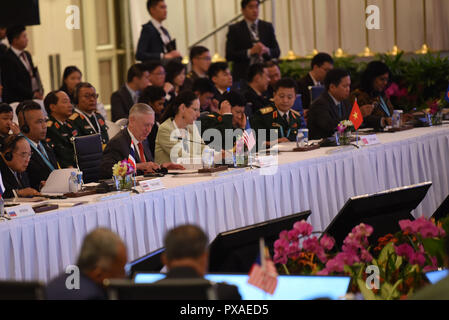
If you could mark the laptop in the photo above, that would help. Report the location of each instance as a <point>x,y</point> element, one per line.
<point>288,288</point>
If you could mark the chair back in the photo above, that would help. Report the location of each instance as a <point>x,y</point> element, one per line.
<point>88,155</point>
<point>315,92</point>
<point>12,290</point>
<point>113,129</point>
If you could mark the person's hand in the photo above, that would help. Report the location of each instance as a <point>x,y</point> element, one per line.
<point>264,49</point>
<point>256,49</point>
<point>214,106</point>
<point>386,122</point>
<point>168,87</point>
<point>239,121</point>
<point>225,107</point>
<point>173,166</point>
<point>1,90</point>
<point>15,128</point>
<point>366,110</point>
<point>148,167</point>
<point>282,140</point>
<point>173,54</point>
<point>28,192</point>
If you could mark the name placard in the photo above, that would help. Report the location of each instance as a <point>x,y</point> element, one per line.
<point>151,185</point>
<point>267,161</point>
<point>24,210</point>
<point>370,140</point>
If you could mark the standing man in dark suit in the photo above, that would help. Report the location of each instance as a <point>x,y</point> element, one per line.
<point>186,257</point>
<point>332,106</point>
<point>141,121</point>
<point>155,42</point>
<point>14,159</point>
<point>250,41</point>
<point>322,63</point>
<point>20,77</point>
<point>3,46</point>
<point>33,126</point>
<point>128,95</point>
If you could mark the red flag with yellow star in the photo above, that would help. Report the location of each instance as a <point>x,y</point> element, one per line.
<point>356,116</point>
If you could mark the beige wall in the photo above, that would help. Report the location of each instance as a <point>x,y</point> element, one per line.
<point>52,37</point>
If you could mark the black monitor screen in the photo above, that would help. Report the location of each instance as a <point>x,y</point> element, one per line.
<point>237,250</point>
<point>19,12</point>
<point>381,210</point>
<point>149,263</point>
<point>443,211</point>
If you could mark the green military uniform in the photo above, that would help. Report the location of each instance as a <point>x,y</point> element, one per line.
<point>85,126</point>
<point>220,122</point>
<point>58,138</point>
<point>269,118</point>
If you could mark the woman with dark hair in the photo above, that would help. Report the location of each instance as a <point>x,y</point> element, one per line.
<point>177,136</point>
<point>374,82</point>
<point>176,75</point>
<point>70,78</point>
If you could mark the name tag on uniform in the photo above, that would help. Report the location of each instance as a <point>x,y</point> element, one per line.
<point>24,210</point>
<point>151,185</point>
<point>370,140</point>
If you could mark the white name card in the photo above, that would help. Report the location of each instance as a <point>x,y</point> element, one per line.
<point>151,185</point>
<point>267,161</point>
<point>21,211</point>
<point>370,140</point>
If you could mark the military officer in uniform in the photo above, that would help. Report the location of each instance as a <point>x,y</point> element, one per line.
<point>86,120</point>
<point>279,119</point>
<point>231,117</point>
<point>59,131</point>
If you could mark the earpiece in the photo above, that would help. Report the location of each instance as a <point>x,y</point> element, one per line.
<point>8,156</point>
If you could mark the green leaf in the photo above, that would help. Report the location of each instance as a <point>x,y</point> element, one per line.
<point>435,248</point>
<point>385,253</point>
<point>368,294</point>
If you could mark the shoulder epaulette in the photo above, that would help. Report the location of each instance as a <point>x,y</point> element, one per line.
<point>74,116</point>
<point>211,115</point>
<point>266,110</point>
<point>49,123</point>
<point>295,112</point>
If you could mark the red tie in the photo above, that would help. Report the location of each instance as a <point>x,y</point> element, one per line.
<point>141,153</point>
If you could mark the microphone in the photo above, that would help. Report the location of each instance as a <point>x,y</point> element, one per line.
<point>201,143</point>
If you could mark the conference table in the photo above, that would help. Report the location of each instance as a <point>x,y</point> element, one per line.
<point>41,246</point>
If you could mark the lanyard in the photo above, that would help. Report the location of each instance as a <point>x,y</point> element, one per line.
<point>98,128</point>
<point>44,157</point>
<point>288,132</point>
<point>384,107</point>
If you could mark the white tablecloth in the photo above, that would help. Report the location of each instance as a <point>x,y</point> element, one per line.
<point>40,247</point>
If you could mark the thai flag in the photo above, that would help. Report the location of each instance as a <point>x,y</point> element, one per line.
<point>248,136</point>
<point>132,157</point>
<point>263,274</point>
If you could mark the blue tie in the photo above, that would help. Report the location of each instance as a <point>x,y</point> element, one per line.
<point>340,112</point>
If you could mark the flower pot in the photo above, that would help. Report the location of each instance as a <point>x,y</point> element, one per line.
<point>125,183</point>
<point>344,138</point>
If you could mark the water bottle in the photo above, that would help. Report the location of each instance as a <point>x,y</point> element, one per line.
<point>396,121</point>
<point>2,207</point>
<point>73,183</point>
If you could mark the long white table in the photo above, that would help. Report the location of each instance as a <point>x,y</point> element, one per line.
<point>40,247</point>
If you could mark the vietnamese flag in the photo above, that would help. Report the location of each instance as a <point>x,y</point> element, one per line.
<point>447,95</point>
<point>356,116</point>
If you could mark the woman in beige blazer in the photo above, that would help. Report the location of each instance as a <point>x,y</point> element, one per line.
<point>178,137</point>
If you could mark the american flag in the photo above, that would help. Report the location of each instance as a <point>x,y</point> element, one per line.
<point>248,136</point>
<point>264,276</point>
<point>132,157</point>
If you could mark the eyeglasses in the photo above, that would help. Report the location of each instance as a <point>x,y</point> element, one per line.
<point>25,155</point>
<point>91,96</point>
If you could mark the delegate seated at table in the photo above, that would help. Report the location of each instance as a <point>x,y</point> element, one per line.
<point>178,137</point>
<point>14,159</point>
<point>141,121</point>
<point>280,118</point>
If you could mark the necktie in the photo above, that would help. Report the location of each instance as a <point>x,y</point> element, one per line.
<point>285,117</point>
<point>340,112</point>
<point>42,150</point>
<point>254,30</point>
<point>27,63</point>
<point>165,32</point>
<point>141,153</point>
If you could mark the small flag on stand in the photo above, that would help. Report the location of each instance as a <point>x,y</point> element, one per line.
<point>447,95</point>
<point>248,136</point>
<point>263,273</point>
<point>356,116</point>
<point>132,157</point>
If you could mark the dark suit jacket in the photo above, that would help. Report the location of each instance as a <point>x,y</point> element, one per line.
<point>239,41</point>
<point>121,103</point>
<point>37,169</point>
<point>15,78</point>
<point>323,116</point>
<point>303,88</point>
<point>150,44</point>
<point>10,182</point>
<point>3,49</point>
<point>118,149</point>
<point>254,102</point>
<point>224,291</point>
<point>89,290</point>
